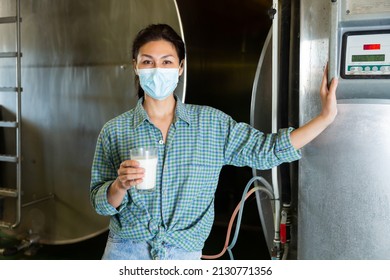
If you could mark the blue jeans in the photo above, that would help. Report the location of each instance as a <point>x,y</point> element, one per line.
<point>125,249</point>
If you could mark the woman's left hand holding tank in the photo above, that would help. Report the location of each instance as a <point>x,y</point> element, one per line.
<point>306,133</point>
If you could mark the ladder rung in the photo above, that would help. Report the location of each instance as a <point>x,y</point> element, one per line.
<point>10,89</point>
<point>7,19</point>
<point>8,158</point>
<point>9,54</point>
<point>8,192</point>
<point>8,124</point>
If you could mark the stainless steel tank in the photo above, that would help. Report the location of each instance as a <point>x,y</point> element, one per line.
<point>76,75</point>
<point>340,192</point>
<point>343,179</point>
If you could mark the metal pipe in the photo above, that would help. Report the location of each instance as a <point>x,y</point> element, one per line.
<point>333,41</point>
<point>256,85</point>
<point>42,199</point>
<point>275,81</point>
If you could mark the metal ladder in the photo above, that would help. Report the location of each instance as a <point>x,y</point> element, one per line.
<point>17,90</point>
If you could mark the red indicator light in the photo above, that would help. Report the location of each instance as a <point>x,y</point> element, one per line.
<point>368,47</point>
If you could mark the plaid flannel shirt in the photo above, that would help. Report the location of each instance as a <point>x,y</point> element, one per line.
<point>200,141</point>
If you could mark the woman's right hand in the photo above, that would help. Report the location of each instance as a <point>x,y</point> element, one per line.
<point>130,174</point>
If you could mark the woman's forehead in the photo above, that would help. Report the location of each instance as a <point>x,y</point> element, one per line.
<point>160,48</point>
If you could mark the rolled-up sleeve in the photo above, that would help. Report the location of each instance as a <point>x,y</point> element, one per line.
<point>284,150</point>
<point>247,146</point>
<point>103,175</point>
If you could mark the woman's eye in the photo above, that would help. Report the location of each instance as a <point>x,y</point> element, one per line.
<point>146,62</point>
<point>167,62</point>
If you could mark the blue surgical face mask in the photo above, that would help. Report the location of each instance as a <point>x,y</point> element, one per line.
<point>158,83</point>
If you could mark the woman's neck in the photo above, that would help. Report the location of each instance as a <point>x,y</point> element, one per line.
<point>161,113</point>
<point>160,109</point>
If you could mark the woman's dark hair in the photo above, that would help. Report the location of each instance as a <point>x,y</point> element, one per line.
<point>155,32</point>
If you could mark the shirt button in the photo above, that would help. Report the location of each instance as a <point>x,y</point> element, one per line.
<point>161,142</point>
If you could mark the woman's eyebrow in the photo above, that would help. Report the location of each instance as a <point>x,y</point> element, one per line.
<point>168,55</point>
<point>150,56</point>
<point>146,55</point>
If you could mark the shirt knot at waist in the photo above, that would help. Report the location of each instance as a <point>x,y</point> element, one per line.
<point>158,250</point>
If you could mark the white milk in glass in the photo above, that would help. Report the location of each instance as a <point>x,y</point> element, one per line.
<point>149,180</point>
<point>147,158</point>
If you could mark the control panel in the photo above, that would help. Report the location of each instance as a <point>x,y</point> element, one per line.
<point>359,49</point>
<point>365,55</point>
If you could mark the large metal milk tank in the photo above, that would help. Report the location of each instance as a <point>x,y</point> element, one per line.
<point>76,74</point>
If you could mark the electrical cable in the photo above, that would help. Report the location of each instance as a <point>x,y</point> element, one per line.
<point>240,208</point>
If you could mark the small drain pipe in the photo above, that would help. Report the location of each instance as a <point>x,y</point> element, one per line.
<point>23,245</point>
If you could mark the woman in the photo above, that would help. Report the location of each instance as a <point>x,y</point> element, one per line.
<point>194,143</point>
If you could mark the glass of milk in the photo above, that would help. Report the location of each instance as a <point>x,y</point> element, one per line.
<point>147,158</point>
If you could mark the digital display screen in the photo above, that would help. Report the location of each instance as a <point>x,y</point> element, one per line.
<point>368,47</point>
<point>368,57</point>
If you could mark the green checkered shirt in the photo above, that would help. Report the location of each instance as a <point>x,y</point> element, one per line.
<point>200,141</point>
